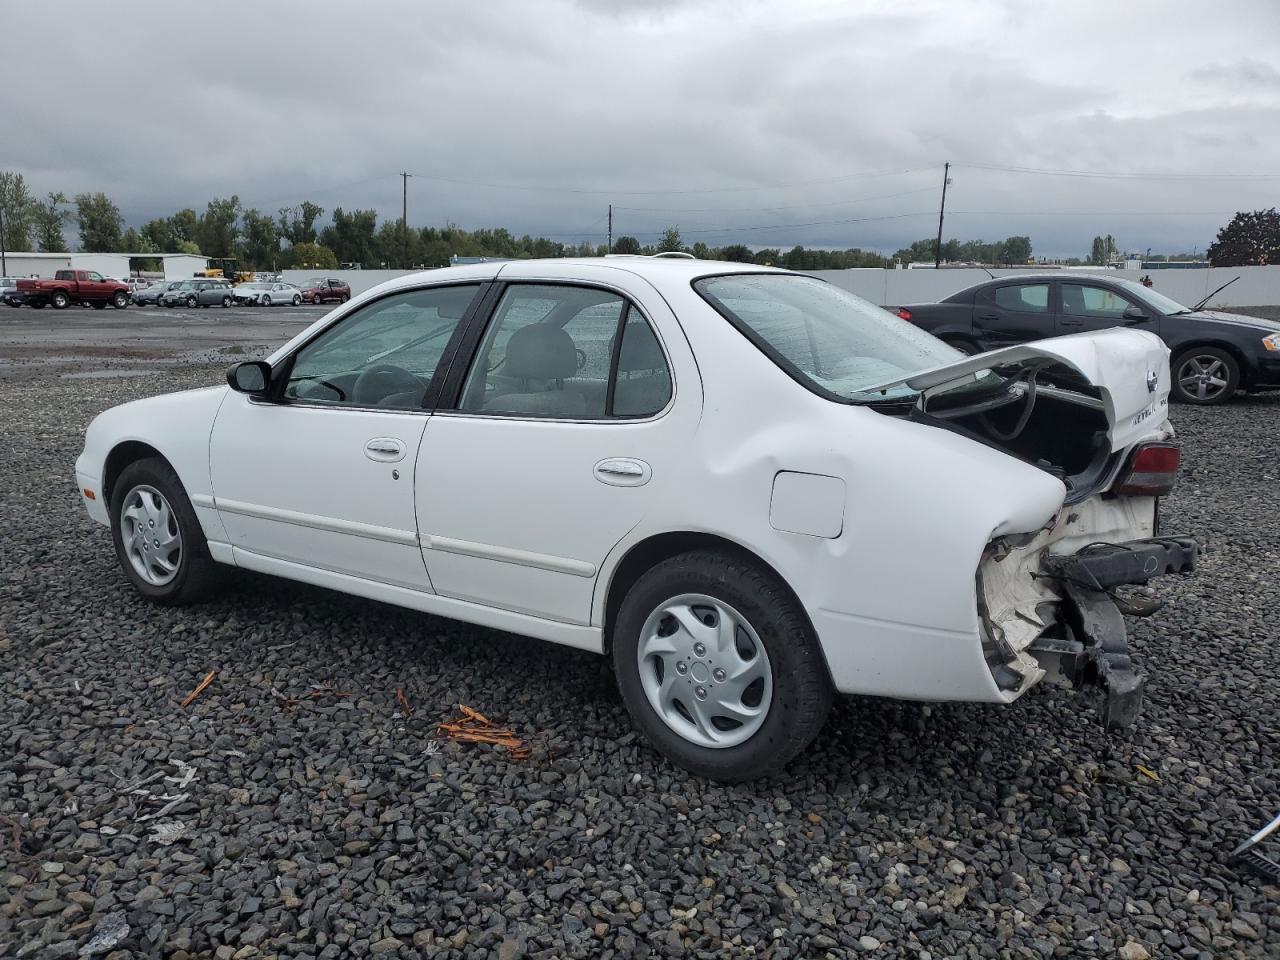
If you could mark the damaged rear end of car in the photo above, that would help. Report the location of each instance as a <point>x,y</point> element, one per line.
<point>1092,411</point>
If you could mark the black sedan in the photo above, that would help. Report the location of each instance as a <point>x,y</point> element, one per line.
<point>1212,354</point>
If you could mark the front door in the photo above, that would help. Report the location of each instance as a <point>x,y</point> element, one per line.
<point>561,437</point>
<point>1012,313</point>
<point>322,473</point>
<point>1086,307</point>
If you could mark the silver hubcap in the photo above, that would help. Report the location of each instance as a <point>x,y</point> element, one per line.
<point>1203,377</point>
<point>149,531</point>
<point>705,671</point>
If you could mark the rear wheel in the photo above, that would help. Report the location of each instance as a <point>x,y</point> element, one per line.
<point>120,300</point>
<point>344,298</point>
<point>60,300</point>
<point>157,537</point>
<point>226,302</point>
<point>1205,376</point>
<point>966,346</point>
<point>719,667</point>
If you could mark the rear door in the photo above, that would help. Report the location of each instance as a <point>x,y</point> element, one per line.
<point>1010,313</point>
<point>1085,307</point>
<point>569,424</point>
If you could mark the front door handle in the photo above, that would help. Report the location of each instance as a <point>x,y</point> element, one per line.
<point>1068,322</point>
<point>623,472</point>
<point>990,317</point>
<point>384,449</point>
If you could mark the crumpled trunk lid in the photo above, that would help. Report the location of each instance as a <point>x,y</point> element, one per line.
<point>1129,369</point>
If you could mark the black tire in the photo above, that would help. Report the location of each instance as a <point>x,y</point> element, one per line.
<point>344,298</point>
<point>226,302</point>
<point>60,300</point>
<point>120,300</point>
<point>297,299</point>
<point>191,302</point>
<point>966,346</point>
<point>266,300</point>
<point>1204,376</point>
<point>802,692</point>
<point>198,575</point>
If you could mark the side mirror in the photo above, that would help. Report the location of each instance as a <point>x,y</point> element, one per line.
<point>1135,314</point>
<point>251,377</point>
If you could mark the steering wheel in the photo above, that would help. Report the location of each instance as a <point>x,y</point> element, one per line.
<point>381,381</point>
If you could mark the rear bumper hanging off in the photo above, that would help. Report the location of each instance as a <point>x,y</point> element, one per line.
<point>1093,647</point>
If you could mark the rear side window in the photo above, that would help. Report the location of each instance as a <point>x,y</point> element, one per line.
<point>1024,298</point>
<point>568,353</point>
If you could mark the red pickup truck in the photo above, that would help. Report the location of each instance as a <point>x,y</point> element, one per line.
<point>74,286</point>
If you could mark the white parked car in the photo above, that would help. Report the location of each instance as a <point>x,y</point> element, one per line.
<point>749,488</point>
<point>268,294</point>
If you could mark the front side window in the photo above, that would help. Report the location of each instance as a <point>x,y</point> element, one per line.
<point>1024,298</point>
<point>553,351</point>
<point>384,355</point>
<point>1081,301</point>
<point>830,340</point>
<point>94,276</point>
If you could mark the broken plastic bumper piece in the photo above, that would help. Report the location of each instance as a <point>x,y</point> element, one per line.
<point>1093,647</point>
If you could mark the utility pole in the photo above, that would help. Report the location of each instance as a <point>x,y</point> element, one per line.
<point>404,219</point>
<point>609,248</point>
<point>4,263</point>
<point>937,250</point>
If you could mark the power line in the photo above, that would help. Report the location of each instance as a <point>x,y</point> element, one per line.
<point>1112,175</point>
<point>1091,213</point>
<point>656,193</point>
<point>790,206</point>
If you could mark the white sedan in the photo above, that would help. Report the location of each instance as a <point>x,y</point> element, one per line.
<point>268,294</point>
<point>750,489</point>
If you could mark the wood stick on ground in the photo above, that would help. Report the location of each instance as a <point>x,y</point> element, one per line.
<point>200,687</point>
<point>401,699</point>
<point>475,727</point>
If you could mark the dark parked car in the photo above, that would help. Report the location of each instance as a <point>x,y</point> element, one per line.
<point>198,292</point>
<point>1212,354</point>
<point>326,290</point>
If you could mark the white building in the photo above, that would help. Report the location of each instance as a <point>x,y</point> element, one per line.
<point>177,266</point>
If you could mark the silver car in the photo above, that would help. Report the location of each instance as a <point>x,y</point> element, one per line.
<point>199,292</point>
<point>268,294</point>
<point>150,296</point>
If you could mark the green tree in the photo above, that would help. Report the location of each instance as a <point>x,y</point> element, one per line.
<point>216,233</point>
<point>626,245</point>
<point>161,235</point>
<point>351,237</point>
<point>1102,250</point>
<point>1015,250</point>
<point>50,217</point>
<point>186,226</point>
<point>15,210</point>
<point>261,248</point>
<point>1250,239</point>
<point>134,241</point>
<point>670,241</point>
<point>309,256</point>
<point>298,224</point>
<point>101,225</point>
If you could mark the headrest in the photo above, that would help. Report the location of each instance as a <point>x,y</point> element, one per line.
<point>541,352</point>
<point>640,350</point>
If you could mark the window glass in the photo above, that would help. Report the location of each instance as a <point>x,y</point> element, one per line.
<point>94,275</point>
<point>1024,298</point>
<point>824,336</point>
<point>644,381</point>
<point>1081,301</point>
<point>383,355</point>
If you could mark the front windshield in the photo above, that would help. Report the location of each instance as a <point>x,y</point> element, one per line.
<point>1148,296</point>
<point>825,337</point>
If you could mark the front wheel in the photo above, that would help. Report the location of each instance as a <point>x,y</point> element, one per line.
<point>60,301</point>
<point>719,667</point>
<point>157,537</point>
<point>191,302</point>
<point>297,299</point>
<point>265,301</point>
<point>1205,376</point>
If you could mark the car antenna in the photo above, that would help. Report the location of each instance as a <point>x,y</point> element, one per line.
<point>1215,293</point>
<point>988,273</point>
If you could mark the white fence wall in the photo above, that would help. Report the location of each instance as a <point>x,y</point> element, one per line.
<point>1257,286</point>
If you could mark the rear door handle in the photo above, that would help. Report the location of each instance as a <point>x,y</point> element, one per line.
<point>384,449</point>
<point>623,472</point>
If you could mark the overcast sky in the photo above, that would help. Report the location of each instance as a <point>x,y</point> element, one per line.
<point>739,121</point>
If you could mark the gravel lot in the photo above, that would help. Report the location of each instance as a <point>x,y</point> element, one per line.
<point>316,819</point>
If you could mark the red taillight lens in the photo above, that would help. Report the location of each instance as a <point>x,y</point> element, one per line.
<point>1151,471</point>
<point>904,313</point>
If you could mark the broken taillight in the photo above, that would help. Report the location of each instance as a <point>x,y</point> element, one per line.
<point>904,313</point>
<point>1151,471</point>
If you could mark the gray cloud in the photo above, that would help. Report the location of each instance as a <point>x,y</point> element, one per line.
<point>713,112</point>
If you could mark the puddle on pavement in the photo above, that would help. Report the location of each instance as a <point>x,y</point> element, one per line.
<point>105,374</point>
